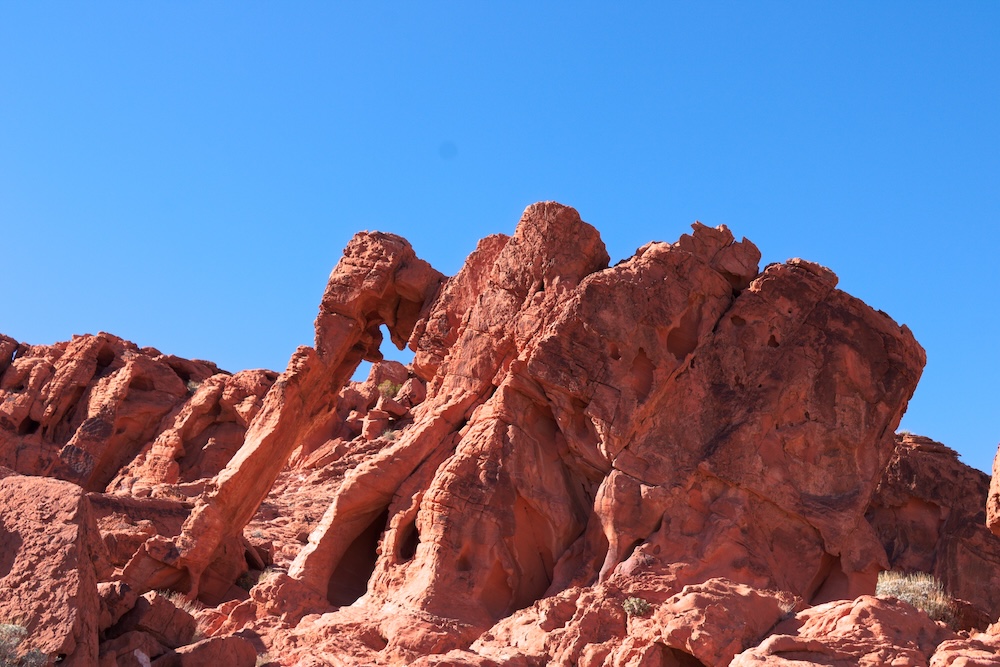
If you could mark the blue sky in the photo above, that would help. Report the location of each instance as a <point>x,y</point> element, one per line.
<point>186,175</point>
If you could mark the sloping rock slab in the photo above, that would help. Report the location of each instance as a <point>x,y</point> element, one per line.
<point>51,556</point>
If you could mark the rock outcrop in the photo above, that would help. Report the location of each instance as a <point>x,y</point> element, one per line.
<point>675,416</point>
<point>51,558</point>
<point>866,631</point>
<point>82,410</point>
<point>379,281</point>
<point>677,460</point>
<point>930,515</point>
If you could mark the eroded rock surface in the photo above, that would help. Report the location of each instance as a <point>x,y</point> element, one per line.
<point>82,410</point>
<point>868,632</point>
<point>51,558</point>
<point>930,515</point>
<point>668,461</point>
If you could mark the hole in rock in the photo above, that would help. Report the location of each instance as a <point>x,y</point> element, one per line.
<point>350,579</point>
<point>738,321</point>
<point>374,640</point>
<point>462,563</point>
<point>673,657</point>
<point>496,592</point>
<point>10,545</point>
<point>180,372</point>
<point>404,356</point>
<point>829,583</point>
<point>532,539</point>
<point>631,550</point>
<point>772,341</point>
<point>141,383</point>
<point>27,427</point>
<point>682,340</point>
<point>105,357</point>
<point>73,402</point>
<point>362,371</point>
<point>408,542</point>
<point>640,378</point>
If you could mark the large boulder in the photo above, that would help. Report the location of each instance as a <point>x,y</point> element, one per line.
<point>929,513</point>
<point>51,557</point>
<point>866,632</point>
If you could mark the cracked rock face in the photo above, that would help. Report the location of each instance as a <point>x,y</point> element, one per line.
<point>679,416</point>
<point>681,428</point>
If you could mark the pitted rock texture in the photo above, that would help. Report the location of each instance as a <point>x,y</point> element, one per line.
<point>682,429</point>
<point>674,414</point>
<point>83,411</point>
<point>51,558</point>
<point>930,514</point>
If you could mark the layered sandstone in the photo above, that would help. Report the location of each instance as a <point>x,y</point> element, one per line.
<point>677,460</point>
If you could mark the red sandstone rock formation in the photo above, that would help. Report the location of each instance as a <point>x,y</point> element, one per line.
<point>664,462</point>
<point>929,514</point>
<point>91,410</point>
<point>379,281</point>
<point>51,558</point>
<point>866,631</point>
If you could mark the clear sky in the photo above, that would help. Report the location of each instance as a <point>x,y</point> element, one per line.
<point>185,175</point>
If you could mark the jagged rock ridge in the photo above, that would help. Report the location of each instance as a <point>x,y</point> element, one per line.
<point>681,428</point>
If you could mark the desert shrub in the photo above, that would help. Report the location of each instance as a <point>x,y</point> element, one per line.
<point>919,589</point>
<point>249,579</point>
<point>11,637</point>
<point>636,606</point>
<point>181,601</point>
<point>388,388</point>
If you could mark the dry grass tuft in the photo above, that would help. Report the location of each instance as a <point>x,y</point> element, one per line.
<point>12,636</point>
<point>919,589</point>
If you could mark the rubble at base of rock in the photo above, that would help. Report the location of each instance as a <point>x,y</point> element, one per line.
<point>681,460</point>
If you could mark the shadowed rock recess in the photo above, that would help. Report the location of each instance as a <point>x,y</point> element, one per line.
<point>678,460</point>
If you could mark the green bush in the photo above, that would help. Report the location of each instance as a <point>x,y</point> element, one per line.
<point>11,637</point>
<point>919,589</point>
<point>636,607</point>
<point>388,388</point>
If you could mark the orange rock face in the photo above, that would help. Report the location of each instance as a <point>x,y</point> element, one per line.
<point>929,514</point>
<point>677,460</point>
<point>51,558</point>
<point>866,631</point>
<point>85,410</point>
